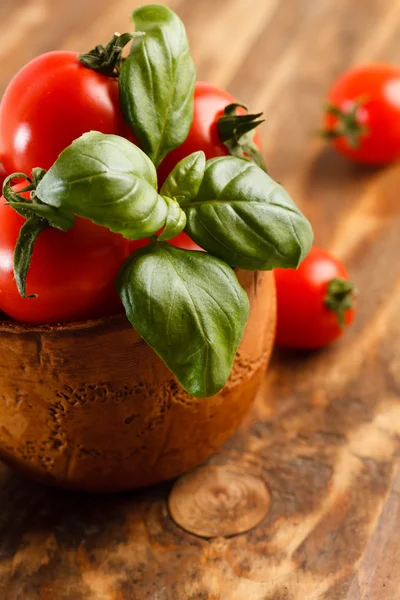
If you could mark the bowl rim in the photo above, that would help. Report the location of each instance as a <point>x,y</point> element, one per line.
<point>11,326</point>
<point>8,325</point>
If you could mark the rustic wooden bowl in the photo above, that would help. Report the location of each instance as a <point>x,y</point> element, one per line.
<point>90,406</point>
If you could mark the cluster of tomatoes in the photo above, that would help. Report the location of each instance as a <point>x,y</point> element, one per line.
<point>54,99</point>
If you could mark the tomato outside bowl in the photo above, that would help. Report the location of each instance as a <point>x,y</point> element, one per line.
<point>90,406</point>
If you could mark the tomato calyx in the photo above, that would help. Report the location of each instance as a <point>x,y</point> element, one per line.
<point>347,124</point>
<point>339,297</point>
<point>108,59</point>
<point>38,217</point>
<point>236,132</point>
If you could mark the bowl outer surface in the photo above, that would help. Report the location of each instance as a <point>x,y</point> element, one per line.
<point>90,406</point>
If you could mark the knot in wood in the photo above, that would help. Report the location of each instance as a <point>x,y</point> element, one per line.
<point>216,500</point>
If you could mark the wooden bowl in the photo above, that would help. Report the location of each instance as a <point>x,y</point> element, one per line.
<point>90,406</point>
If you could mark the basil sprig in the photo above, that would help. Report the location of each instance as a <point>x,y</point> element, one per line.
<point>157,81</point>
<point>190,308</point>
<point>244,217</point>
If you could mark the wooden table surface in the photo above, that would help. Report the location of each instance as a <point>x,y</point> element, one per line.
<point>324,434</point>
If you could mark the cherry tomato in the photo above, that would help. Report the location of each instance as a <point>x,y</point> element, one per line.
<point>315,301</point>
<point>73,273</point>
<point>363,114</point>
<point>209,105</point>
<point>49,103</point>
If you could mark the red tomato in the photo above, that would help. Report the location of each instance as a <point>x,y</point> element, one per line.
<point>49,103</point>
<point>73,273</point>
<point>3,175</point>
<point>184,241</point>
<point>306,318</point>
<point>209,105</point>
<point>180,241</point>
<point>364,116</point>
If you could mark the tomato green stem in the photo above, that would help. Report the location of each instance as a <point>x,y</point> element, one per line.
<point>23,251</point>
<point>236,132</point>
<point>8,192</point>
<point>107,59</point>
<point>38,216</point>
<point>339,297</point>
<point>347,124</point>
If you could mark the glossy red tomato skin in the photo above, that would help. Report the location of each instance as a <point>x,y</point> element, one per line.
<point>180,241</point>
<point>73,273</point>
<point>209,104</point>
<point>378,88</point>
<point>304,321</point>
<point>185,242</point>
<point>49,103</point>
<point>3,175</point>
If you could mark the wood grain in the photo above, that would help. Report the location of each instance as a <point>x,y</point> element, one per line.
<point>325,431</point>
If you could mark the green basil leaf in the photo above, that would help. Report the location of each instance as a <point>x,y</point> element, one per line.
<point>176,220</point>
<point>157,81</point>
<point>109,180</point>
<point>243,216</point>
<point>183,183</point>
<point>189,307</point>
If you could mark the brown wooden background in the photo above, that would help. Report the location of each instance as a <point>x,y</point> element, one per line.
<point>325,431</point>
